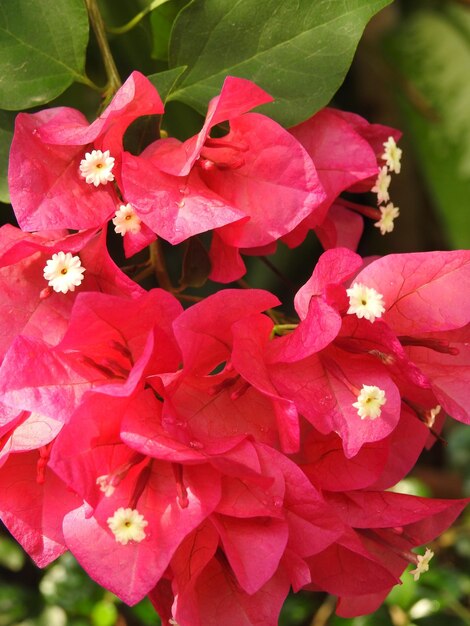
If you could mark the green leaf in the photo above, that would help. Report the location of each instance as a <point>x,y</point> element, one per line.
<point>297,51</point>
<point>431,52</point>
<point>413,487</point>
<point>166,81</point>
<point>7,124</point>
<point>161,21</point>
<point>42,50</point>
<point>403,595</point>
<point>104,614</point>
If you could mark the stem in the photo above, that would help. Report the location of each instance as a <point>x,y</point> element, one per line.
<point>121,30</point>
<point>367,211</point>
<point>460,610</point>
<point>187,298</point>
<point>114,80</point>
<point>84,80</point>
<point>243,284</point>
<point>275,271</point>
<point>324,613</point>
<point>281,329</point>
<point>157,261</point>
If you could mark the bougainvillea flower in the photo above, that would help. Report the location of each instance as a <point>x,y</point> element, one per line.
<point>317,304</point>
<point>385,527</point>
<point>325,388</point>
<point>342,155</point>
<point>168,502</point>
<point>376,135</point>
<point>419,292</point>
<point>25,431</point>
<point>413,284</point>
<point>237,97</point>
<point>204,333</point>
<point>36,525</point>
<point>39,311</point>
<point>377,465</point>
<point>324,383</point>
<point>228,182</point>
<point>175,208</point>
<point>340,228</point>
<point>46,187</point>
<point>135,98</point>
<point>204,330</point>
<point>236,526</point>
<point>112,355</point>
<point>231,606</point>
<point>346,150</point>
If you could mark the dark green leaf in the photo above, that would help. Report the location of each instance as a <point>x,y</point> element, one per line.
<point>166,81</point>
<point>298,51</point>
<point>161,20</point>
<point>431,50</point>
<point>42,50</point>
<point>7,123</point>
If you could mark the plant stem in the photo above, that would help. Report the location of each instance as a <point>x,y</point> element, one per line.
<point>281,329</point>
<point>114,80</point>
<point>157,260</point>
<point>275,271</point>
<point>324,613</point>
<point>367,211</point>
<point>84,80</point>
<point>120,30</point>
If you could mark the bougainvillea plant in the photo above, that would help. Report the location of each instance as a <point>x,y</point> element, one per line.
<point>213,452</point>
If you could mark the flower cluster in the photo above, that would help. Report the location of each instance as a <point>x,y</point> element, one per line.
<point>224,446</point>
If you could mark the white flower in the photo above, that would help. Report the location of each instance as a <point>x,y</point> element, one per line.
<point>381,185</point>
<point>64,272</point>
<point>423,564</point>
<point>127,525</point>
<point>365,302</point>
<point>126,220</point>
<point>105,485</point>
<point>431,414</point>
<point>370,402</point>
<point>388,214</point>
<point>392,155</point>
<point>96,167</point>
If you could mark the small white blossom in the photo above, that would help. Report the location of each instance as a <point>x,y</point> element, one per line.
<point>370,402</point>
<point>392,155</point>
<point>127,525</point>
<point>105,485</point>
<point>381,185</point>
<point>423,564</point>
<point>365,302</point>
<point>388,214</point>
<point>126,220</point>
<point>96,167</point>
<point>431,414</point>
<point>64,272</point>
